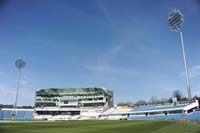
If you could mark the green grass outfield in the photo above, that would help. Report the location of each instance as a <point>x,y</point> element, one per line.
<point>100,127</point>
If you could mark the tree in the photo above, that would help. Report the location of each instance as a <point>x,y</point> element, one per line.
<point>184,99</point>
<point>177,94</point>
<point>140,102</point>
<point>196,98</point>
<point>154,100</point>
<point>170,100</point>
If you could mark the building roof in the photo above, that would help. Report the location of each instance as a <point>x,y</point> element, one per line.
<point>55,91</point>
<point>162,107</point>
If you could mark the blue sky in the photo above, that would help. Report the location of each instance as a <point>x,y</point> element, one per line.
<point>123,45</point>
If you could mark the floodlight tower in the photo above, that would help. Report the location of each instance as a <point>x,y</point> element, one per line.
<point>20,64</point>
<point>175,22</point>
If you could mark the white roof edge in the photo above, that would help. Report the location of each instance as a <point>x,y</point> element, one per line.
<point>17,109</point>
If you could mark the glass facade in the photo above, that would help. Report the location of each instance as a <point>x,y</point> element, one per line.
<point>74,97</point>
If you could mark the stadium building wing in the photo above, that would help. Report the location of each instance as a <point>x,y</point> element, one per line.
<point>67,102</point>
<point>181,111</point>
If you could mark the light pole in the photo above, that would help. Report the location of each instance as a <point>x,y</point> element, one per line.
<point>19,63</point>
<point>175,22</point>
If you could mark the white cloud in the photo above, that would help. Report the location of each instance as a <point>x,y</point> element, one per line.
<point>106,13</point>
<point>10,93</point>
<point>113,69</point>
<point>108,56</point>
<point>193,72</point>
<point>98,68</point>
<point>23,82</point>
<point>170,89</point>
<point>104,63</point>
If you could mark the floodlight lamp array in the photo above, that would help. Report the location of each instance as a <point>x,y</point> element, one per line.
<point>175,20</point>
<point>20,63</point>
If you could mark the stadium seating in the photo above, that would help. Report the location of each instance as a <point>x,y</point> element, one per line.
<point>6,114</point>
<point>1,114</point>
<point>184,111</point>
<point>28,115</point>
<point>194,116</point>
<point>144,108</point>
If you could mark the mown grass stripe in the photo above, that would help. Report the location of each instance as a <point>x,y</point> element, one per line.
<point>101,127</point>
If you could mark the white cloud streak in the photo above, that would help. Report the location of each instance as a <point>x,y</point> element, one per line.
<point>193,72</point>
<point>111,54</point>
<point>104,63</point>
<point>106,13</point>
